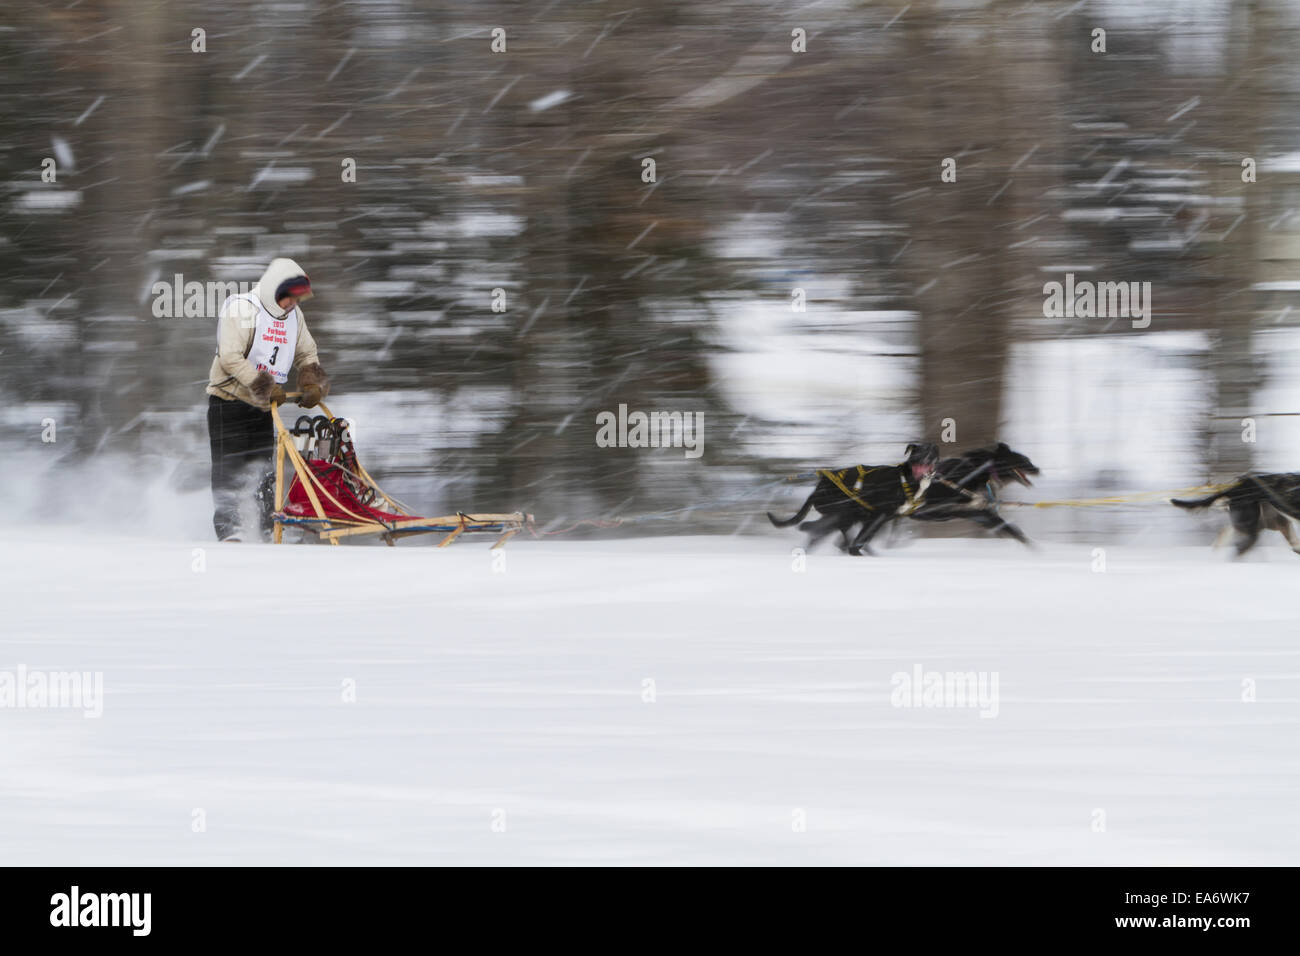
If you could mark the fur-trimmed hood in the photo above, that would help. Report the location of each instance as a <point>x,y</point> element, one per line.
<point>277,272</point>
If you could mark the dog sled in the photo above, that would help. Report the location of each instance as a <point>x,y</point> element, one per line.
<point>330,494</point>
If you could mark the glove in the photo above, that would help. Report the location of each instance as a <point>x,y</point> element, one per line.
<point>260,388</point>
<point>278,397</point>
<point>313,383</point>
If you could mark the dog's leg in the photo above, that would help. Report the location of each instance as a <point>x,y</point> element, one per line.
<point>817,525</point>
<point>819,529</point>
<point>1246,517</point>
<point>1007,530</point>
<point>1222,537</point>
<point>1001,526</point>
<point>1288,532</point>
<point>866,534</point>
<point>1280,523</point>
<point>892,535</point>
<point>845,538</point>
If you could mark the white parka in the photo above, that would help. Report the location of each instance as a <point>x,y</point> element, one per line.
<point>232,375</point>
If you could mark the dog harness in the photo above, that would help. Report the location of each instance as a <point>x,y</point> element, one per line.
<point>838,482</point>
<point>914,499</point>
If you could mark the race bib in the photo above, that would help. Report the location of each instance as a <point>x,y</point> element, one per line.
<point>274,341</point>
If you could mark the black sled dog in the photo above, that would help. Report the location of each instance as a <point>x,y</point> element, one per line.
<point>870,495</point>
<point>1256,503</point>
<point>968,486</point>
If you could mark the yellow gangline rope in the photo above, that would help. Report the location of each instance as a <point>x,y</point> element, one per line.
<point>1137,497</point>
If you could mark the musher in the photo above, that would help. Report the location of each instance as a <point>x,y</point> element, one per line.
<point>260,335</point>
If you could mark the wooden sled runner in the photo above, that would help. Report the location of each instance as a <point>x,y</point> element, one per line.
<point>330,494</point>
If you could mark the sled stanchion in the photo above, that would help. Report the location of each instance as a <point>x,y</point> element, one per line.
<point>299,465</point>
<point>279,488</point>
<point>307,478</point>
<point>460,527</point>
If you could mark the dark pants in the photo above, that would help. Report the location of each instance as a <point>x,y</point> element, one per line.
<point>243,440</point>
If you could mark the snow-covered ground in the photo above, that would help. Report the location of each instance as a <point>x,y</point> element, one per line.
<point>653,700</point>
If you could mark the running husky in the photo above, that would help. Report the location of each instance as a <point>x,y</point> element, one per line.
<point>1256,503</point>
<point>870,495</point>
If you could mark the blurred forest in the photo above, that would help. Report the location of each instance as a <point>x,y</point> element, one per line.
<point>775,170</point>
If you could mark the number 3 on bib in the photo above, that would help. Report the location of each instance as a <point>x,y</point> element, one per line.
<point>274,353</point>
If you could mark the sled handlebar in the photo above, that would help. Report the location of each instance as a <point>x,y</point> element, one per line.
<point>322,406</point>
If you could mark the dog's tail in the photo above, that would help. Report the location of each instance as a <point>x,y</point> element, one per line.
<point>1198,502</point>
<point>799,515</point>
